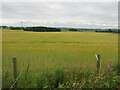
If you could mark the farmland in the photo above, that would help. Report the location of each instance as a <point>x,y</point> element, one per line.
<point>48,51</point>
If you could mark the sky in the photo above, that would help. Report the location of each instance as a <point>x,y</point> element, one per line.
<point>61,14</point>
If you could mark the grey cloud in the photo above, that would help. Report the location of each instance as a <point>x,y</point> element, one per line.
<point>61,13</point>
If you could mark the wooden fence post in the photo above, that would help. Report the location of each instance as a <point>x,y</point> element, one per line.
<point>98,62</point>
<point>118,61</point>
<point>15,70</point>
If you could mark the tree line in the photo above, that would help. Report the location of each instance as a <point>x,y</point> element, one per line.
<point>53,29</point>
<point>16,28</point>
<point>42,29</point>
<point>37,29</point>
<point>108,31</point>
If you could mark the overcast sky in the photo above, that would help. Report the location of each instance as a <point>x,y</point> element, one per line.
<point>61,14</point>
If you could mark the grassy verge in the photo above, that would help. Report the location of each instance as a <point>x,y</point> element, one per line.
<point>66,78</point>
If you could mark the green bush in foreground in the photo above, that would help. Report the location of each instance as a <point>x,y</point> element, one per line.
<point>67,78</point>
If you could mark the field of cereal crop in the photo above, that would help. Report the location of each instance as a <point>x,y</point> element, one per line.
<point>51,50</point>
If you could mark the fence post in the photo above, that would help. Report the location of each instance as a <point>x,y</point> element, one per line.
<point>118,61</point>
<point>15,70</point>
<point>98,62</point>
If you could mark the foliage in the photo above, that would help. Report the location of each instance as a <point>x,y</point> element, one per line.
<point>108,31</point>
<point>37,29</point>
<point>63,78</point>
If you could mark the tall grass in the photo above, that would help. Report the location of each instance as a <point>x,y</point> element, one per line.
<point>47,51</point>
<point>67,78</point>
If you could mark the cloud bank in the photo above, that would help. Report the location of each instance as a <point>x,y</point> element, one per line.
<point>61,14</point>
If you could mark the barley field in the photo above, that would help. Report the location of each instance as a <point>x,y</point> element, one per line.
<point>59,52</point>
<point>51,50</point>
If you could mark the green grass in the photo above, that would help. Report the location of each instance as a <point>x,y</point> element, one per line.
<point>48,51</point>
